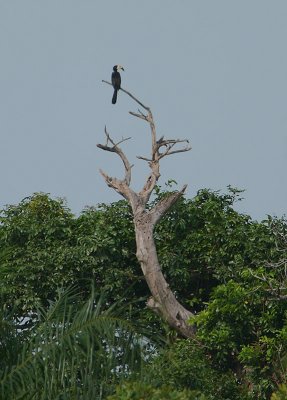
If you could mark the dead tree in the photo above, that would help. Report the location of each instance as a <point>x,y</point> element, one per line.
<point>163,300</point>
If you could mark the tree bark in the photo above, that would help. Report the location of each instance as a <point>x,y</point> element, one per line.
<point>163,301</point>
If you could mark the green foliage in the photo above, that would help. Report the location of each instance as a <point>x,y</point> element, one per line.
<point>40,248</point>
<point>107,234</point>
<point>11,338</point>
<point>230,270</point>
<point>244,328</point>
<point>228,321</point>
<point>74,350</point>
<point>201,242</point>
<point>185,365</point>
<point>204,241</point>
<point>280,394</point>
<point>47,247</point>
<point>265,362</point>
<point>141,391</point>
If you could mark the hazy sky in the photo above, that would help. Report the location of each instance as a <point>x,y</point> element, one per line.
<point>214,72</point>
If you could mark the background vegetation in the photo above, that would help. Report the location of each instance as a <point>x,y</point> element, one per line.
<point>74,321</point>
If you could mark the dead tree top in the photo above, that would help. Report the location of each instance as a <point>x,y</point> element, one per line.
<point>160,148</point>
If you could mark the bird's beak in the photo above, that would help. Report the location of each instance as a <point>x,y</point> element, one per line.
<point>122,68</point>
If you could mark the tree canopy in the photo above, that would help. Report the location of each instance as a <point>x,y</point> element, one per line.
<point>225,267</point>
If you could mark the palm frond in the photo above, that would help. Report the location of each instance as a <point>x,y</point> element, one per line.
<point>75,351</point>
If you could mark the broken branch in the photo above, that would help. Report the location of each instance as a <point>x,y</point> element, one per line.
<point>116,149</point>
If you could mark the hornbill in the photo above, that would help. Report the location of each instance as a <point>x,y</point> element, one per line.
<point>116,81</point>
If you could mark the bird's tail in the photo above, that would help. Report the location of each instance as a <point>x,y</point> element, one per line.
<point>114,99</point>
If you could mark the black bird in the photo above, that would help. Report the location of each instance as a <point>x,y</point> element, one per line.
<point>116,81</point>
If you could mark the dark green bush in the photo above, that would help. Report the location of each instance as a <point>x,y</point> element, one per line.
<point>280,394</point>
<point>142,391</point>
<point>186,366</point>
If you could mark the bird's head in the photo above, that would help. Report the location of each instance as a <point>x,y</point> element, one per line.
<point>118,67</point>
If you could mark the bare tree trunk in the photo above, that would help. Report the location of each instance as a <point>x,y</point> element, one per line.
<point>163,300</point>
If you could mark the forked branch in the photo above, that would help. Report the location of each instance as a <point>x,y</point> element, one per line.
<point>121,186</point>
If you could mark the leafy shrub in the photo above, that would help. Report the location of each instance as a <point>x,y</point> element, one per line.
<point>280,394</point>
<point>142,391</point>
<point>186,366</point>
<point>244,329</point>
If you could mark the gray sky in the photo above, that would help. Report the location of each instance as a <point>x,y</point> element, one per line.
<point>214,72</point>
